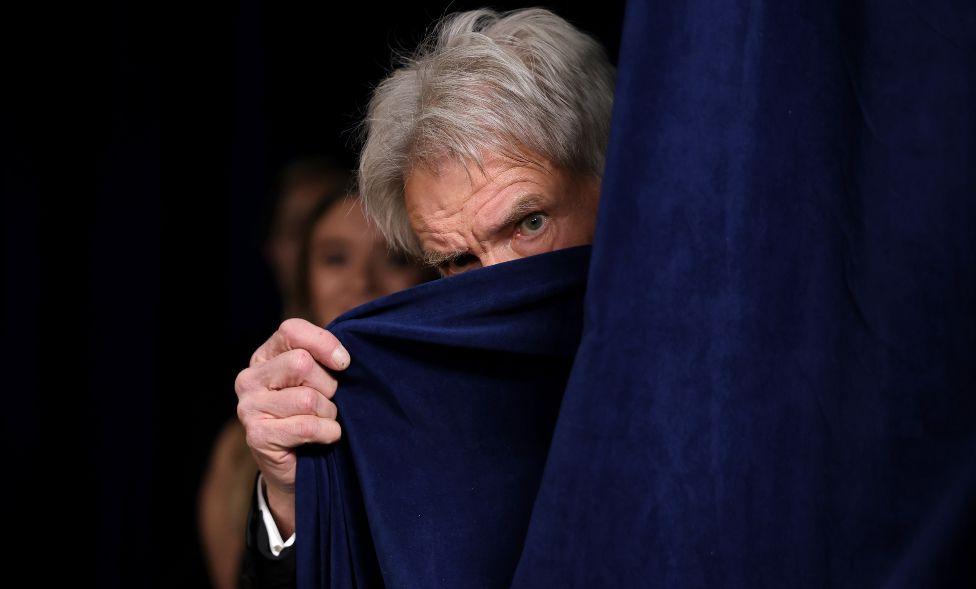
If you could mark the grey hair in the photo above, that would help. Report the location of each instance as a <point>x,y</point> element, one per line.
<point>515,83</point>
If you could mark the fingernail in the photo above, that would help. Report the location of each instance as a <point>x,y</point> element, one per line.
<point>341,357</point>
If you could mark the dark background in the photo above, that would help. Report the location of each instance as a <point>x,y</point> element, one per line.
<point>140,147</point>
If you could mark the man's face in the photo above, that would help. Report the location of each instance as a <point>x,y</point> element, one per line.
<point>465,219</point>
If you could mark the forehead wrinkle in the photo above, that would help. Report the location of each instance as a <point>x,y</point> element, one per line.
<point>446,211</point>
<point>498,193</point>
<point>437,224</point>
<point>432,238</point>
<point>442,207</point>
<point>441,239</point>
<point>487,226</point>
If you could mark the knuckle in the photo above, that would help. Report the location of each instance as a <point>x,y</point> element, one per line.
<point>290,327</point>
<point>331,386</point>
<point>301,361</point>
<point>335,431</point>
<point>307,401</point>
<point>331,410</point>
<point>305,429</point>
<point>243,381</point>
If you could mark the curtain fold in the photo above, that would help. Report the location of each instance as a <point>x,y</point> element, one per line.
<point>775,383</point>
<point>787,395</point>
<point>447,412</point>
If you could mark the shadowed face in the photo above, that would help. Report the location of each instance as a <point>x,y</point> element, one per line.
<point>349,263</point>
<point>286,234</point>
<point>465,219</point>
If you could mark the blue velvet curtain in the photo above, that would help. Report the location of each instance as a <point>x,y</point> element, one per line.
<point>447,410</point>
<point>776,382</point>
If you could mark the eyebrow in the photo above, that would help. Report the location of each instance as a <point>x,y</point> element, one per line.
<point>329,242</point>
<point>524,204</point>
<point>435,258</point>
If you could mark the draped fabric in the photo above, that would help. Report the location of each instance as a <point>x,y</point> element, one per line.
<point>447,412</point>
<point>776,386</point>
<point>776,382</point>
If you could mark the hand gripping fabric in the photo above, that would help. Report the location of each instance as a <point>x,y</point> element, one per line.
<point>447,412</point>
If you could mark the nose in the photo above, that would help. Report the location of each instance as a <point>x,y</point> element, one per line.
<point>362,284</point>
<point>487,259</point>
<point>373,285</point>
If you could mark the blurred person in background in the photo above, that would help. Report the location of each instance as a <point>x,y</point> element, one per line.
<point>486,145</point>
<point>303,185</point>
<point>224,496</point>
<point>327,259</point>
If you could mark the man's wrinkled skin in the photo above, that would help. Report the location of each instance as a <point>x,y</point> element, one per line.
<point>464,219</point>
<point>284,402</point>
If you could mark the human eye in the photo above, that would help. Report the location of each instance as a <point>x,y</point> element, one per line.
<point>457,264</point>
<point>463,261</point>
<point>533,224</point>
<point>333,258</point>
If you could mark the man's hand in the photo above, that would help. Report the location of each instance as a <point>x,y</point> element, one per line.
<point>284,402</point>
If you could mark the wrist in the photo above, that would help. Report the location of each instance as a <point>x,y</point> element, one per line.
<point>281,503</point>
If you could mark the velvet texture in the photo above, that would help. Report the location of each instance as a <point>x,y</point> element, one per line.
<point>776,386</point>
<point>447,412</point>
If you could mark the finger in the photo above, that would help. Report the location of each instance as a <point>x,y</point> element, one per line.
<point>294,431</point>
<point>300,334</point>
<point>292,401</point>
<point>295,368</point>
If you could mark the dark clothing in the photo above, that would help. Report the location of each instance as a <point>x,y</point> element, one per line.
<point>260,568</point>
<point>447,410</point>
